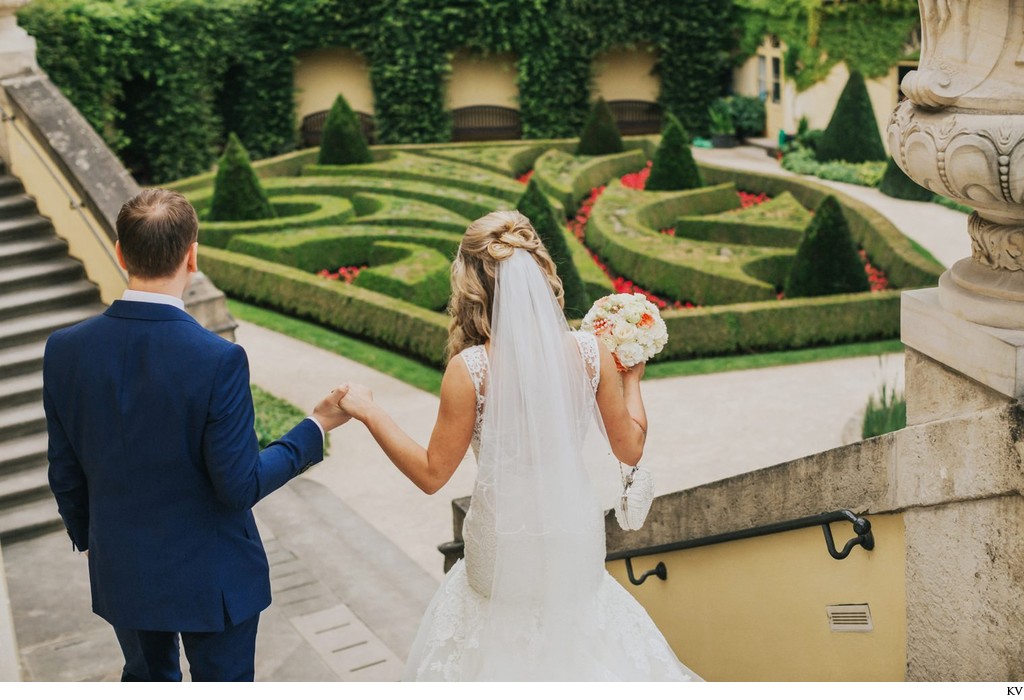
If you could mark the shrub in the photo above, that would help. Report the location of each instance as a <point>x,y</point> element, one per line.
<point>826,261</point>
<point>896,183</point>
<point>237,192</point>
<point>673,167</point>
<point>720,117</point>
<point>342,141</point>
<point>600,135</point>
<point>534,206</point>
<point>275,417</point>
<point>748,115</point>
<point>852,133</point>
<point>886,412</point>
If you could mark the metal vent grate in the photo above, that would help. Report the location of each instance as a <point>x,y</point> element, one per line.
<point>850,617</point>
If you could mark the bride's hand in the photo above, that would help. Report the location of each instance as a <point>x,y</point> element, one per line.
<point>358,402</point>
<point>634,373</point>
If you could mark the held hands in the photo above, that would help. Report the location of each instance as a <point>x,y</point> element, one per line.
<point>357,401</point>
<point>329,413</point>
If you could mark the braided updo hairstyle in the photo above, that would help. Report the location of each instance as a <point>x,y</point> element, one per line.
<point>487,241</point>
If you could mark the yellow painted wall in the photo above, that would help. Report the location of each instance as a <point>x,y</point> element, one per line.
<point>626,74</point>
<point>754,610</point>
<point>42,180</point>
<point>477,80</point>
<point>322,74</point>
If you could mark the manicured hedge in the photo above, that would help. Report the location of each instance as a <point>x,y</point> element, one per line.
<point>329,247</point>
<point>408,271</point>
<point>385,210</point>
<point>906,264</point>
<point>568,179</point>
<point>326,211</point>
<point>781,325</point>
<point>779,222</point>
<point>390,322</point>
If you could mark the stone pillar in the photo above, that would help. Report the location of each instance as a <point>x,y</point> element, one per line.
<point>960,133</point>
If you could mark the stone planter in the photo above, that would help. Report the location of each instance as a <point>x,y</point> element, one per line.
<point>960,134</point>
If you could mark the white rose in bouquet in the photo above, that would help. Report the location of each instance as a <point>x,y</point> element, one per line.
<point>629,325</point>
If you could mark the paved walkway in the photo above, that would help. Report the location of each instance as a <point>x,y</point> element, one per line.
<point>353,544</point>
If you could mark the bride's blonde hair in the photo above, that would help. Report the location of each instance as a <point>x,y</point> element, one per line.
<point>487,241</point>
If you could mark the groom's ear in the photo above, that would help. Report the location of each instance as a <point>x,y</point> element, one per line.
<point>120,255</point>
<point>193,257</point>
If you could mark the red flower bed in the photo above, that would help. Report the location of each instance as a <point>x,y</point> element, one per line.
<point>876,278</point>
<point>749,199</point>
<point>525,177</point>
<point>345,274</point>
<point>637,181</point>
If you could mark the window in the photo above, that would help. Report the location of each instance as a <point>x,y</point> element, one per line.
<point>776,80</point>
<point>762,78</point>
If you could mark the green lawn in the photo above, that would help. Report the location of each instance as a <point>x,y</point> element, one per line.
<point>429,379</point>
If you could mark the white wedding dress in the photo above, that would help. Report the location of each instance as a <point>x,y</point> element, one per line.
<point>609,636</point>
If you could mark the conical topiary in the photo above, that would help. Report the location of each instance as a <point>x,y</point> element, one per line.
<point>535,207</point>
<point>600,134</point>
<point>852,133</point>
<point>673,167</point>
<point>237,192</point>
<point>343,142</point>
<point>896,183</point>
<point>826,261</point>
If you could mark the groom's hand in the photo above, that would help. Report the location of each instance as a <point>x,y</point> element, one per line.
<point>357,401</point>
<point>329,413</point>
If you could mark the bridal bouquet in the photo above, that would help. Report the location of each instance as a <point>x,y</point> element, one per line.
<point>629,325</point>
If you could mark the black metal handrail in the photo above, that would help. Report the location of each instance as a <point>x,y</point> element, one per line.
<point>861,526</point>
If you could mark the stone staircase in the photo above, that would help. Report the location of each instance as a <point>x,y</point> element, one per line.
<point>42,289</point>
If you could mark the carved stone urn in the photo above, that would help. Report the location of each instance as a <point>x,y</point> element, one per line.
<point>960,134</point>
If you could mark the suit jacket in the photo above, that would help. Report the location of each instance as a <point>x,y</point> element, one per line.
<point>155,466</point>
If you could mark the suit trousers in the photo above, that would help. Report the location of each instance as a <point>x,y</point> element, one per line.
<point>228,655</point>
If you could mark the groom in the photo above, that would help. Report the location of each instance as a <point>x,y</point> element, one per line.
<point>155,464</point>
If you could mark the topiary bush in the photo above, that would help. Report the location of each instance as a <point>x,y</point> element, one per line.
<point>748,114</point>
<point>673,167</point>
<point>896,183</point>
<point>342,142</point>
<point>852,133</point>
<point>534,206</point>
<point>826,261</point>
<point>237,192</point>
<point>600,135</point>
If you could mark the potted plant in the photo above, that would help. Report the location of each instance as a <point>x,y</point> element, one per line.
<point>723,130</point>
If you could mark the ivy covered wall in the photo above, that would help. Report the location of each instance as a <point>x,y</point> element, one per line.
<point>165,80</point>
<point>870,36</point>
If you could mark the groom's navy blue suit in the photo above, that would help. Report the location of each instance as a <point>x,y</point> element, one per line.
<point>155,465</point>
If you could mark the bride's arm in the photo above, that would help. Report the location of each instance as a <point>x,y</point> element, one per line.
<point>622,408</point>
<point>429,468</point>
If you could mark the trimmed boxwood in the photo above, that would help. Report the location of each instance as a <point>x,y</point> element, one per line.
<point>330,247</point>
<point>898,184</point>
<point>342,141</point>
<point>415,273</point>
<point>390,322</point>
<point>906,264</point>
<point>781,325</point>
<point>600,135</point>
<point>326,210</point>
<point>568,179</point>
<point>673,167</point>
<point>385,210</point>
<point>852,133</point>
<point>777,223</point>
<point>237,193</point>
<point>551,229</point>
<point>826,261</point>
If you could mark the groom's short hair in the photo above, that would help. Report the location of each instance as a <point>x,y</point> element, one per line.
<point>155,229</point>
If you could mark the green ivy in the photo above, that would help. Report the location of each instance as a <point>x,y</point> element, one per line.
<point>868,35</point>
<point>164,81</point>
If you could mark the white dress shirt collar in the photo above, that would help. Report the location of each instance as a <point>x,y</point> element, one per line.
<point>152,298</point>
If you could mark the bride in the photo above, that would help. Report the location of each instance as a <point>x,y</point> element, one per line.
<point>531,600</point>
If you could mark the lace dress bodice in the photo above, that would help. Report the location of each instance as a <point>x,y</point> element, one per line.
<point>478,529</point>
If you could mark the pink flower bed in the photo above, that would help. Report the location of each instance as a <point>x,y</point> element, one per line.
<point>344,274</point>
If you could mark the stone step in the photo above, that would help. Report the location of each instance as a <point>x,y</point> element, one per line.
<point>15,205</point>
<point>23,452</point>
<point>29,520</point>
<point>37,246</point>
<point>56,296</point>
<point>15,227</point>
<point>21,389</point>
<point>22,358</point>
<point>27,329</point>
<point>43,272</point>
<point>24,486</point>
<point>17,421</point>
<point>9,184</point>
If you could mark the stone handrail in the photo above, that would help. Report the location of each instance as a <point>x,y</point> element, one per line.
<point>10,669</point>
